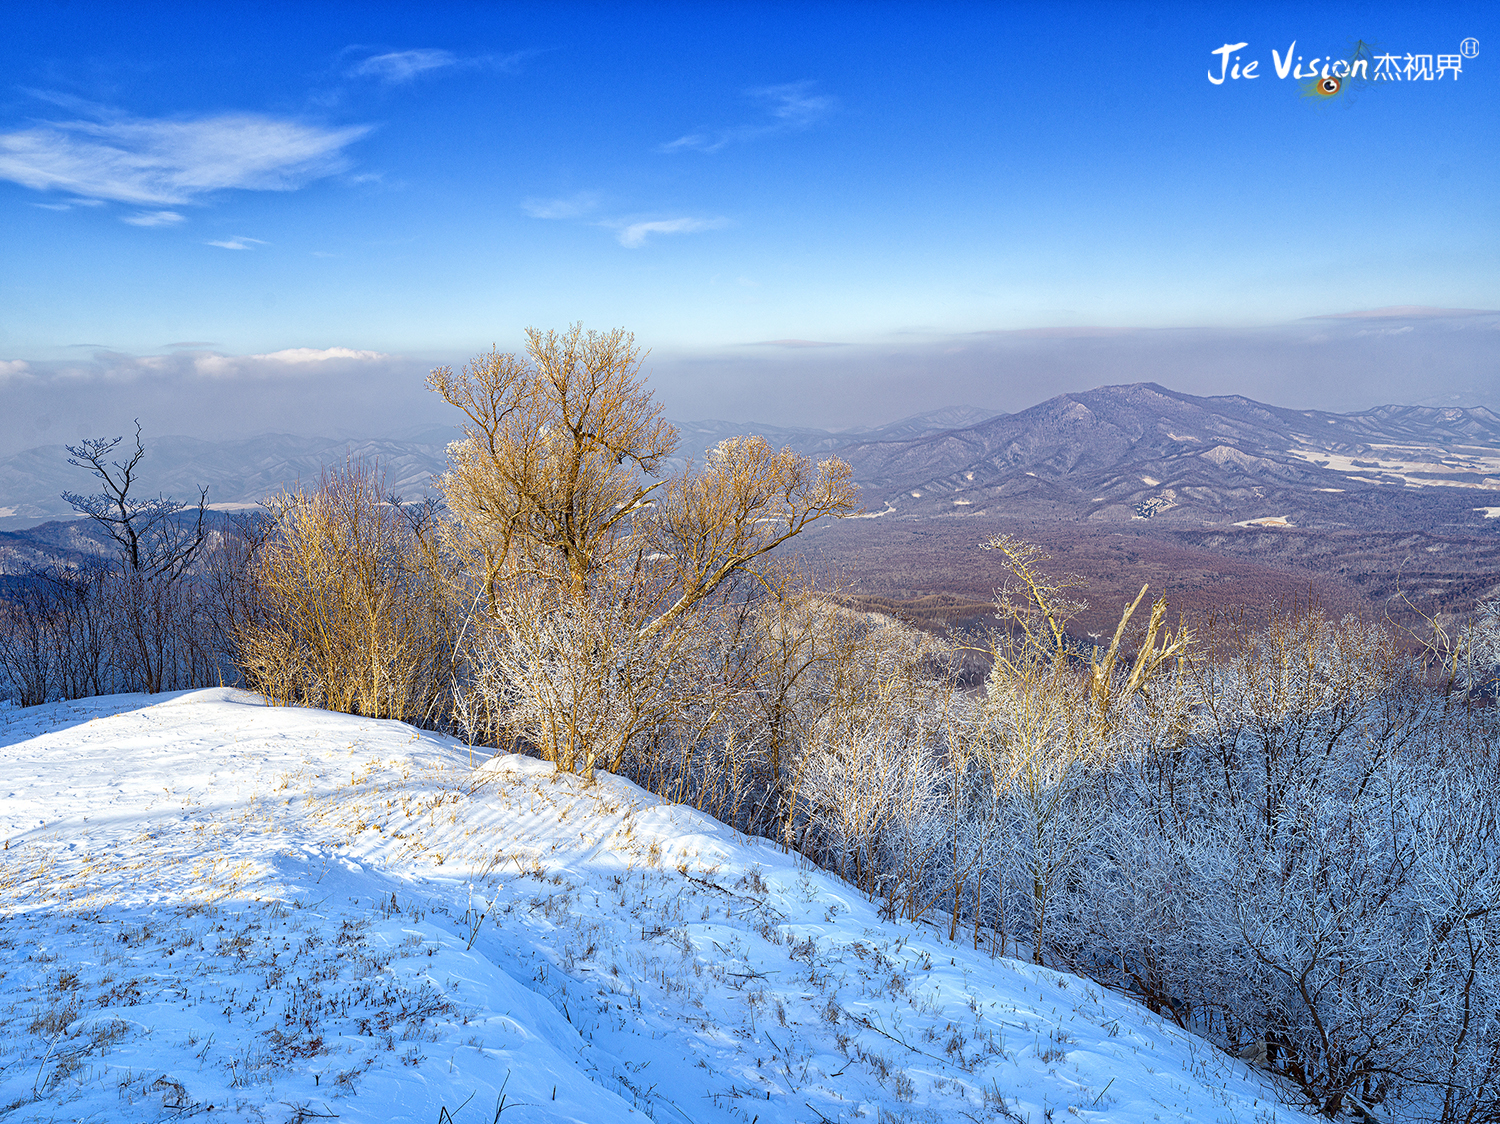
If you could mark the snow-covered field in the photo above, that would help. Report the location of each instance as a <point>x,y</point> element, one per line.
<point>222,910</point>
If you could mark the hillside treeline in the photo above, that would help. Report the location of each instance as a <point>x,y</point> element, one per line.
<point>1285,839</point>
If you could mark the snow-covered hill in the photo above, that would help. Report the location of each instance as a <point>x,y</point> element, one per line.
<point>218,909</point>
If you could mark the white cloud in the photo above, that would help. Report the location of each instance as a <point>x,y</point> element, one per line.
<point>167,161</point>
<point>318,355</point>
<point>187,360</point>
<point>792,106</point>
<point>395,67</point>
<point>238,242</point>
<point>153,218</point>
<point>568,207</point>
<point>635,235</point>
<point>287,361</point>
<point>631,234</point>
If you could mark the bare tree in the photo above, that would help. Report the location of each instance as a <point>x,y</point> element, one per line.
<point>868,779</point>
<point>137,615</point>
<point>1306,871</point>
<point>748,500</point>
<point>151,540</point>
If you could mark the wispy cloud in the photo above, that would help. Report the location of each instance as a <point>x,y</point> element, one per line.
<point>71,102</point>
<point>238,242</point>
<point>631,233</point>
<point>68,206</point>
<point>567,207</point>
<point>153,218</point>
<point>634,235</point>
<point>396,68</point>
<point>13,369</point>
<point>791,107</point>
<point>173,161</point>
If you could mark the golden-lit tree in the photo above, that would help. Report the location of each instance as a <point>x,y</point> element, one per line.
<point>583,555</point>
<point>1037,605</point>
<point>351,600</point>
<point>1051,722</point>
<point>554,453</point>
<point>748,500</point>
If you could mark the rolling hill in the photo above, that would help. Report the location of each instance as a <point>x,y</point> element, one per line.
<point>211,904</point>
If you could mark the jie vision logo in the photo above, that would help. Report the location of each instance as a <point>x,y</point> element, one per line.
<point>1329,75</point>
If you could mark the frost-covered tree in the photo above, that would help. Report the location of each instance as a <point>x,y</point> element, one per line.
<point>1310,876</point>
<point>1480,664</point>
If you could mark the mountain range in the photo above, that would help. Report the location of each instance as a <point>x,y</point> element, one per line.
<point>1123,454</point>
<point>240,473</point>
<point>1116,455</point>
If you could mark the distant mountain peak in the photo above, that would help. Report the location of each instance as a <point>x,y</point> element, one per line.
<point>1135,451</point>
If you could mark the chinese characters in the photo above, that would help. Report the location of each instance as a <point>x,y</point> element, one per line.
<point>1232,65</point>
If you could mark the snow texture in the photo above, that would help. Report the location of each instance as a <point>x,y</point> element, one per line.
<point>222,910</point>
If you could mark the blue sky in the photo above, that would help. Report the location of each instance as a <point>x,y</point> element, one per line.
<point>407,184</point>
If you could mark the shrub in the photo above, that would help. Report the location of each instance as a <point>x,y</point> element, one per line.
<point>353,606</point>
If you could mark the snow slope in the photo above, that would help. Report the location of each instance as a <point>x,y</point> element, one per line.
<point>222,910</point>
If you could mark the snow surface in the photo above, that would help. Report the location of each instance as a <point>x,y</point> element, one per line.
<point>213,908</point>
